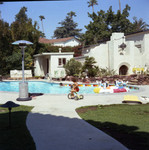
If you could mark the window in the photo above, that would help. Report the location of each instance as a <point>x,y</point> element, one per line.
<point>61,61</point>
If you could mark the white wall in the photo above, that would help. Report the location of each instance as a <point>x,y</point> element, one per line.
<point>38,71</point>
<point>18,73</point>
<point>55,66</point>
<point>100,53</point>
<point>40,66</point>
<point>146,51</point>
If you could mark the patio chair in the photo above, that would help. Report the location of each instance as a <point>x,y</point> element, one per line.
<point>131,99</point>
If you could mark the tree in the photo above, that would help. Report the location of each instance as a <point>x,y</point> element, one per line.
<point>139,25</point>
<point>68,27</point>
<point>91,3</point>
<point>106,72</point>
<point>21,17</point>
<point>104,23</point>
<point>41,18</point>
<point>71,14</point>
<point>5,46</point>
<point>89,67</point>
<point>23,28</point>
<point>73,67</point>
<point>97,29</point>
<point>120,22</point>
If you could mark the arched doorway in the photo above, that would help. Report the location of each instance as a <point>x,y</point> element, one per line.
<point>123,70</point>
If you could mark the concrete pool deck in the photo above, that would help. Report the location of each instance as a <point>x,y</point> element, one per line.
<point>55,125</point>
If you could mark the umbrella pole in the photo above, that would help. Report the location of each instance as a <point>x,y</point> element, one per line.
<point>23,64</point>
<point>9,117</point>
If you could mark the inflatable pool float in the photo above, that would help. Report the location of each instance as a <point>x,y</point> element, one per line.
<point>119,90</point>
<point>97,90</point>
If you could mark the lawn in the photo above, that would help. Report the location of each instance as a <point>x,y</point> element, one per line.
<point>17,137</point>
<point>129,124</point>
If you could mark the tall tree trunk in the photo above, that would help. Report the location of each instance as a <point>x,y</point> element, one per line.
<point>93,9</point>
<point>42,26</point>
<point>120,6</point>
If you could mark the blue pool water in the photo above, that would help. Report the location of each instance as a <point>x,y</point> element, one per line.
<point>44,87</point>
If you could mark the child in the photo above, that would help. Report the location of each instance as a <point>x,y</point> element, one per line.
<point>74,88</point>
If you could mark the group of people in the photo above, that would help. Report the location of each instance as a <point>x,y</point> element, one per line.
<point>120,83</point>
<point>117,83</point>
<point>103,84</point>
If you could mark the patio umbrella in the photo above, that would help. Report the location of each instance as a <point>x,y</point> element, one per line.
<point>22,42</point>
<point>23,86</point>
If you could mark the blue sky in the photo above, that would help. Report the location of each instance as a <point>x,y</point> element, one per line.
<point>56,11</point>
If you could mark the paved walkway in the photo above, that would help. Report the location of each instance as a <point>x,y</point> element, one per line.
<point>55,125</point>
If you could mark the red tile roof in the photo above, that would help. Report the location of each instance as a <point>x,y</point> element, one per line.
<point>50,41</point>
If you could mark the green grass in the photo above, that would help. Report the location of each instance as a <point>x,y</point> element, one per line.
<point>129,124</point>
<point>17,137</point>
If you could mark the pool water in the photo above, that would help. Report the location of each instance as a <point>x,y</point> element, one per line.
<point>42,87</point>
<point>45,87</point>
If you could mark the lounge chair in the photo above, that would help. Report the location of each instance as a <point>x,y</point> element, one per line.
<point>131,99</point>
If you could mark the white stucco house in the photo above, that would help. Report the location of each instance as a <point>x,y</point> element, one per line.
<point>70,41</point>
<point>51,64</point>
<point>124,54</point>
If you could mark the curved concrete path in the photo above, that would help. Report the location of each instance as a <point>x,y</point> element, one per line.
<point>55,125</point>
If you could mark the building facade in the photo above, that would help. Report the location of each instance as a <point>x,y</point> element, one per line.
<point>123,54</point>
<point>51,64</point>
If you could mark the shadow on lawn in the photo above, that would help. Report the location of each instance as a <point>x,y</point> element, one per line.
<point>57,127</point>
<point>50,132</point>
<point>127,135</point>
<point>16,137</point>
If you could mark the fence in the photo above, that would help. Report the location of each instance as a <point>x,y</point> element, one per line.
<point>18,73</point>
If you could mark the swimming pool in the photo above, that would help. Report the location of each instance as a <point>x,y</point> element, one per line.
<point>48,88</point>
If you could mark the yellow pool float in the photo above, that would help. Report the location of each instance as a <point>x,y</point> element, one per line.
<point>96,90</point>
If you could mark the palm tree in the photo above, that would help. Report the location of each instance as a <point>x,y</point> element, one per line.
<point>91,3</point>
<point>89,67</point>
<point>41,18</point>
<point>140,24</point>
